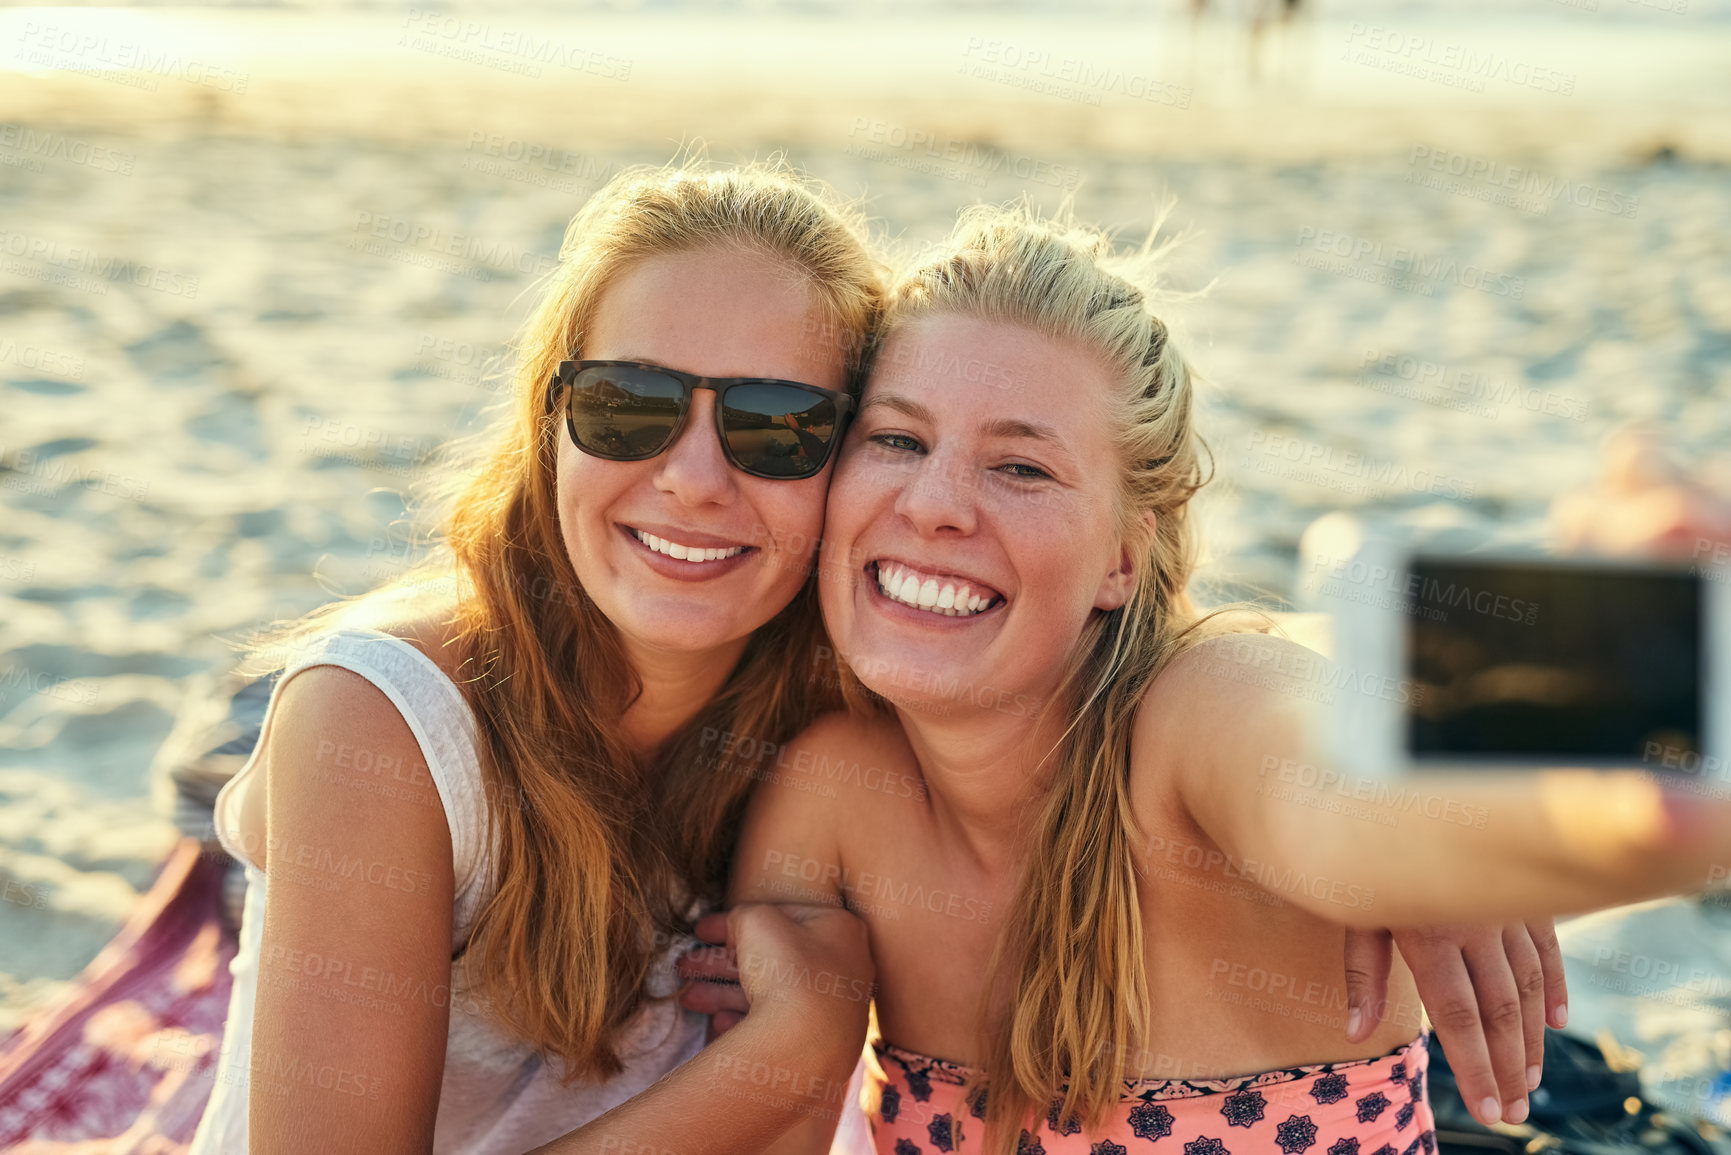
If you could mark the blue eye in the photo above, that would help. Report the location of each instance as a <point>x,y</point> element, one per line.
<point>896,441</point>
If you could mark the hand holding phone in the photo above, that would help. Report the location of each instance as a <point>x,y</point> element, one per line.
<point>1455,657</point>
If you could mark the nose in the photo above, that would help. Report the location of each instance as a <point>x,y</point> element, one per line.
<point>939,496</point>
<point>693,469</point>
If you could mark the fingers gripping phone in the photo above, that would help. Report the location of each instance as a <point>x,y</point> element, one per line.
<point>1503,658</point>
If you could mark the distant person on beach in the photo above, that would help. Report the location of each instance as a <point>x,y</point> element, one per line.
<point>576,698</point>
<point>1257,17</point>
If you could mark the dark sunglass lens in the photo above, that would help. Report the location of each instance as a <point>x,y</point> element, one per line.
<point>778,430</point>
<point>623,412</point>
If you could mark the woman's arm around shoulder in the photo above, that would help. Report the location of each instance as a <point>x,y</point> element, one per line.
<point>807,975</point>
<point>775,1083</point>
<point>819,788</point>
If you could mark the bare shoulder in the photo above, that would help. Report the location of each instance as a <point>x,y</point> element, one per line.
<point>332,700</point>
<point>423,616</point>
<point>339,754</point>
<point>853,758</point>
<point>1212,694</point>
<point>863,731</point>
<point>342,763</point>
<point>835,786</point>
<point>1229,672</point>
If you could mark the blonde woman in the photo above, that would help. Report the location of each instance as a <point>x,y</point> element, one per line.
<point>477,824</point>
<point>1005,571</point>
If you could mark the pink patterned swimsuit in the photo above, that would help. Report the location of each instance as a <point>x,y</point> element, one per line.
<point>1362,1107</point>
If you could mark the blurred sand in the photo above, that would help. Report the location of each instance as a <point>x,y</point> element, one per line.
<point>220,371</point>
<point>1627,83</point>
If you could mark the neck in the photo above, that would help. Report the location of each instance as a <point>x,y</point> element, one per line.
<point>676,685</point>
<point>983,778</point>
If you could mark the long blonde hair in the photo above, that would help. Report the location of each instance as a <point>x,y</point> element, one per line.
<point>598,851</point>
<point>1069,959</point>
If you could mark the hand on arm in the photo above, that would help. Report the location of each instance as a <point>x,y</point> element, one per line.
<point>806,974</point>
<point>1489,991</point>
<point>787,852</point>
<point>712,978</point>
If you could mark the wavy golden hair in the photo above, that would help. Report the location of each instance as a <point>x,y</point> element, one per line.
<point>1067,996</point>
<point>598,852</point>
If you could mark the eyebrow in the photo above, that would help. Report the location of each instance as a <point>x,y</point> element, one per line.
<point>906,406</point>
<point>999,427</point>
<point>1010,427</point>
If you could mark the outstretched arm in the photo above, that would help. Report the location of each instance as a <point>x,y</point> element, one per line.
<point>1494,848</point>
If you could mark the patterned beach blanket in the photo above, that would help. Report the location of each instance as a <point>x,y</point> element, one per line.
<point>124,1062</point>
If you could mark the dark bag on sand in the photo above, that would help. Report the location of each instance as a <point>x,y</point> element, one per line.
<point>1582,1107</point>
<point>212,739</point>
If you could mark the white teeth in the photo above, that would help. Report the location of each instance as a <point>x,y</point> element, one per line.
<point>685,552</point>
<point>903,585</point>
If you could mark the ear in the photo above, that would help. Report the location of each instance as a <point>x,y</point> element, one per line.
<point>1120,581</point>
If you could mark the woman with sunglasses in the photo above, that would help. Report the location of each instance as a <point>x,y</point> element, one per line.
<point>1108,921</point>
<point>479,818</point>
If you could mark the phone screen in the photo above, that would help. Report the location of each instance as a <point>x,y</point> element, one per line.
<point>1517,661</point>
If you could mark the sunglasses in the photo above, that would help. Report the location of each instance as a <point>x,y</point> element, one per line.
<point>627,411</point>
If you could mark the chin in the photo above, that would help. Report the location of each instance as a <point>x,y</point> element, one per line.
<point>684,633</point>
<point>910,671</point>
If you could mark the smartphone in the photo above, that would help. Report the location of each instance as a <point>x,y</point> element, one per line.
<point>1454,657</point>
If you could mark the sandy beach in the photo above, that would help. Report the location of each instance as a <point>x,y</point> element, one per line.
<point>246,297</point>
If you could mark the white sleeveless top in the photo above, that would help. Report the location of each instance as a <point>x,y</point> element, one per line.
<point>498,1096</point>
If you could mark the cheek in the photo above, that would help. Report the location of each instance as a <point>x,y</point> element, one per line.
<point>839,507</point>
<point>863,481</point>
<point>585,489</point>
<point>573,493</point>
<point>853,497</point>
<point>566,487</point>
<point>1061,554</point>
<point>790,520</point>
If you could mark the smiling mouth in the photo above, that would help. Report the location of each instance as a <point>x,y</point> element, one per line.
<point>950,597</point>
<point>683,552</point>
